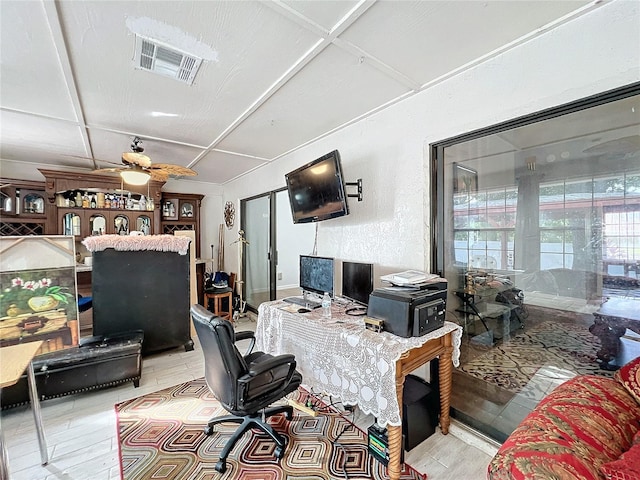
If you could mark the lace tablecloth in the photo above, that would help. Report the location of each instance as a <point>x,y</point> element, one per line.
<point>340,357</point>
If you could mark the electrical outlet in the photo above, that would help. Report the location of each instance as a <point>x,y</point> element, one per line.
<point>279,275</point>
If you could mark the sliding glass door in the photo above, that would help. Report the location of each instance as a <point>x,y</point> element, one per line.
<point>271,256</point>
<point>539,225</point>
<point>258,258</point>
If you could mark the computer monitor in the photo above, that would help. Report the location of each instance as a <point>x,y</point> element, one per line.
<point>316,274</point>
<point>357,281</point>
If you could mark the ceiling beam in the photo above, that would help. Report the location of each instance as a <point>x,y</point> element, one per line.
<point>59,43</point>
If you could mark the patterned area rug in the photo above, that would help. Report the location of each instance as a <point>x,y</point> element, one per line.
<point>161,437</point>
<point>512,363</point>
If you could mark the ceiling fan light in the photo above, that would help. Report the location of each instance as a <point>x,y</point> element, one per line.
<point>135,177</point>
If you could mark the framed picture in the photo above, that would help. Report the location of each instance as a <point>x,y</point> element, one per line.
<point>38,299</point>
<point>465,179</point>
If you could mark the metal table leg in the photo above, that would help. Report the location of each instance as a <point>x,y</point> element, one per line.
<point>37,414</point>
<point>4,458</point>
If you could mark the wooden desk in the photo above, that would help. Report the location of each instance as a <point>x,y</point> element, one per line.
<point>13,362</point>
<point>340,357</point>
<point>610,322</point>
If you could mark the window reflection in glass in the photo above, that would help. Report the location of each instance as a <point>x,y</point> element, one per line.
<point>98,224</point>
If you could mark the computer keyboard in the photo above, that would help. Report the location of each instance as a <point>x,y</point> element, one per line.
<point>302,302</point>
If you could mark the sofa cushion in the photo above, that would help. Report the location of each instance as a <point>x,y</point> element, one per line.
<point>627,467</point>
<point>584,423</point>
<point>629,376</point>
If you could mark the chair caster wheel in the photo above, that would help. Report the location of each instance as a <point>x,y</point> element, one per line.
<point>279,450</point>
<point>221,466</point>
<point>208,430</point>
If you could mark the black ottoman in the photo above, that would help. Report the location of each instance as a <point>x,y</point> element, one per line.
<point>98,362</point>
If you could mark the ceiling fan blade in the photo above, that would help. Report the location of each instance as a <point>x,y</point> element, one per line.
<point>173,170</point>
<point>109,170</point>
<point>136,159</point>
<point>158,175</point>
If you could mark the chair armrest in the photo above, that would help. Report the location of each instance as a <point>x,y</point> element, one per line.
<point>262,367</point>
<point>247,335</point>
<point>244,335</point>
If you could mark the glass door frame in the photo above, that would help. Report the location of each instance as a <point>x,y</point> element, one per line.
<point>441,178</point>
<point>272,253</point>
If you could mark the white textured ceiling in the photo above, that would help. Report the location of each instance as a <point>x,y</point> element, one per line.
<point>276,74</point>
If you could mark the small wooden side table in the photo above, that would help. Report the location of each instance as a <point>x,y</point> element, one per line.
<point>217,303</point>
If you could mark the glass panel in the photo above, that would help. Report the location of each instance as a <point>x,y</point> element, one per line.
<point>33,203</point>
<point>143,224</point>
<point>186,210</point>
<point>71,224</point>
<point>121,225</point>
<point>98,224</point>
<point>256,252</point>
<point>548,233</point>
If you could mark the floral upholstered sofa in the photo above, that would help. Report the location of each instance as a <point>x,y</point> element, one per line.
<point>587,428</point>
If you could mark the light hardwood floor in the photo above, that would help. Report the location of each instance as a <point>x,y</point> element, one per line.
<point>83,443</point>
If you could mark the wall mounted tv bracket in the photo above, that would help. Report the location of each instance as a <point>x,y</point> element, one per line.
<point>358,184</point>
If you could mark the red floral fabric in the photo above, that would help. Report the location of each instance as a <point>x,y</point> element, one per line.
<point>629,376</point>
<point>584,423</point>
<point>627,467</point>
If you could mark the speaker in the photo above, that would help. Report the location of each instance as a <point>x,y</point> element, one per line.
<point>420,409</point>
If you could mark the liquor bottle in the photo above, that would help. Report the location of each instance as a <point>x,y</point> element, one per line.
<point>93,201</point>
<point>85,200</point>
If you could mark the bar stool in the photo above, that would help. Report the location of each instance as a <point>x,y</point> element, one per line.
<point>218,296</point>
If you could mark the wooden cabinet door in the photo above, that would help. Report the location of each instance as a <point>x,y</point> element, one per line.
<point>71,221</point>
<point>83,223</point>
<point>98,222</point>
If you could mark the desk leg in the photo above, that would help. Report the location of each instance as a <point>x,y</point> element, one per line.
<point>445,374</point>
<point>394,435</point>
<point>37,414</point>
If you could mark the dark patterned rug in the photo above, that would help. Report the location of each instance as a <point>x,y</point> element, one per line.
<point>161,437</point>
<point>560,345</point>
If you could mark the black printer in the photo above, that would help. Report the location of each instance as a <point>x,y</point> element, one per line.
<point>410,312</point>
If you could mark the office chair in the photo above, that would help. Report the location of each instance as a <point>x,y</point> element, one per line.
<point>244,385</point>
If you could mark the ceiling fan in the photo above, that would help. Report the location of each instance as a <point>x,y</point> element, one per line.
<point>138,169</point>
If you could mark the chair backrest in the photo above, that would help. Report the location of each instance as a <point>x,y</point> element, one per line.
<point>223,363</point>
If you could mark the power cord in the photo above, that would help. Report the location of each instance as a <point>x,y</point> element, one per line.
<point>317,403</point>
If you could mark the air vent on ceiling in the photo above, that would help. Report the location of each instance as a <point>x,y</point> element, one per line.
<point>166,61</point>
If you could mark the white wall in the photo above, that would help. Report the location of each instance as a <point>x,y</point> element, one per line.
<point>389,151</point>
<point>293,240</point>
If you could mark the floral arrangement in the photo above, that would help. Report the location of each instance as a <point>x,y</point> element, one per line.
<point>31,296</point>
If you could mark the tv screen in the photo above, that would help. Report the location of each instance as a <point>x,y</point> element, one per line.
<point>357,281</point>
<point>316,274</point>
<point>316,190</point>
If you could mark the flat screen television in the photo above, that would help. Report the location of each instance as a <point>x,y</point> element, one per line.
<point>317,190</point>
<point>316,274</point>
<point>357,281</point>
